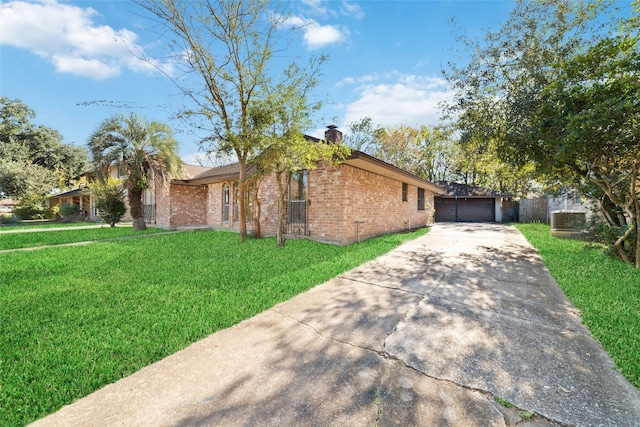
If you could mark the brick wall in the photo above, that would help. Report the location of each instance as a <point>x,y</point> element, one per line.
<point>326,213</point>
<point>163,203</point>
<point>188,205</point>
<point>214,205</point>
<point>342,195</point>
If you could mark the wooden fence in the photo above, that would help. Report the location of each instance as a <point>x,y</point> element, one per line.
<point>534,210</point>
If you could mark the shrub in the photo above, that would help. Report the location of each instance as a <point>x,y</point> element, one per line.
<point>9,219</point>
<point>110,200</point>
<point>69,210</point>
<point>32,206</point>
<point>599,232</point>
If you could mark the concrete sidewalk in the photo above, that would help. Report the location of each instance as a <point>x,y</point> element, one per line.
<point>426,335</point>
<point>70,227</point>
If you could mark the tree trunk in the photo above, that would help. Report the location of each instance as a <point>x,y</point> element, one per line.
<point>256,213</point>
<point>135,207</point>
<point>282,188</point>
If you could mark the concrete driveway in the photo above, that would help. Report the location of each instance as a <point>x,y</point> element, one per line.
<point>427,335</point>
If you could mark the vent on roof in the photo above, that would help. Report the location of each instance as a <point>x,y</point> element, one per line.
<point>567,223</point>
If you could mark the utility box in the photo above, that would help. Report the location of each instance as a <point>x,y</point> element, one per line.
<point>568,224</point>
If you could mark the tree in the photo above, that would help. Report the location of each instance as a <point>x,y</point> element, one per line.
<point>109,195</point>
<point>140,151</point>
<point>32,206</point>
<point>425,152</point>
<point>228,45</point>
<point>588,128</point>
<point>361,135</point>
<point>399,146</point>
<point>557,87</point>
<point>279,121</point>
<point>33,159</point>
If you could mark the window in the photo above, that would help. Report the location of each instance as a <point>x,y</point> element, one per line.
<point>298,185</point>
<point>297,205</point>
<point>405,190</point>
<point>236,202</point>
<point>420,199</point>
<point>225,202</point>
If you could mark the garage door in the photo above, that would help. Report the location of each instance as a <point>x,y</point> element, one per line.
<point>468,210</point>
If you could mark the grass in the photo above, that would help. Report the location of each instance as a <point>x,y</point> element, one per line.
<point>503,402</point>
<point>605,290</point>
<point>45,238</point>
<point>73,319</point>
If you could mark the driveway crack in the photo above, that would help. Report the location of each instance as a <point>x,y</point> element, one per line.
<point>379,404</point>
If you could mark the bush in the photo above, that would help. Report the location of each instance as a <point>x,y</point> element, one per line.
<point>69,210</point>
<point>9,219</point>
<point>110,200</point>
<point>32,206</point>
<point>600,233</point>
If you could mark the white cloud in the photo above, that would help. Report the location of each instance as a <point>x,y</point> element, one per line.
<point>366,78</point>
<point>84,67</point>
<point>67,36</point>
<point>352,9</point>
<point>315,8</point>
<point>315,35</point>
<point>412,100</point>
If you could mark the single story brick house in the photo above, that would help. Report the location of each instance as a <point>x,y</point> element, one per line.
<point>360,198</point>
<point>357,199</point>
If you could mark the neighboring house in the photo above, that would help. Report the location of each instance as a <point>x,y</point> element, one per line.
<point>538,208</point>
<point>570,202</point>
<point>83,198</point>
<point>80,197</point>
<point>357,199</point>
<point>469,203</point>
<point>7,205</point>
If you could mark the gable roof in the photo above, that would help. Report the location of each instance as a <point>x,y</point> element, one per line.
<point>74,192</point>
<point>191,171</point>
<point>214,175</point>
<point>357,159</point>
<point>453,189</point>
<point>363,161</point>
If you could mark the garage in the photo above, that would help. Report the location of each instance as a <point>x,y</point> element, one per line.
<point>465,209</point>
<point>468,203</point>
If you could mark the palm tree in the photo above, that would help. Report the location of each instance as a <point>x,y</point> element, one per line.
<point>140,150</point>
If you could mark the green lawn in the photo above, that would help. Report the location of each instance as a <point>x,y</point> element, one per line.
<point>605,290</point>
<point>68,235</point>
<point>73,319</point>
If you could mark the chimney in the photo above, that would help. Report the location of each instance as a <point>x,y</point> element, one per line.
<point>333,135</point>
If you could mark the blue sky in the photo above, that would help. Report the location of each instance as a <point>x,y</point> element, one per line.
<point>385,60</point>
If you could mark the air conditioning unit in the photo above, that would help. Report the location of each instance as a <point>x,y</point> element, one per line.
<point>568,224</point>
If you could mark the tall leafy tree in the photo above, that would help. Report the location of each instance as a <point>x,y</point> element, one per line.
<point>140,151</point>
<point>400,146</point>
<point>227,46</point>
<point>361,135</point>
<point>428,152</point>
<point>588,129</point>
<point>279,119</point>
<point>33,159</point>
<point>557,87</point>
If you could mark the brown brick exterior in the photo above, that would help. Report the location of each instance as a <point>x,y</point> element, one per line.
<point>188,205</point>
<point>338,196</point>
<point>342,195</point>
